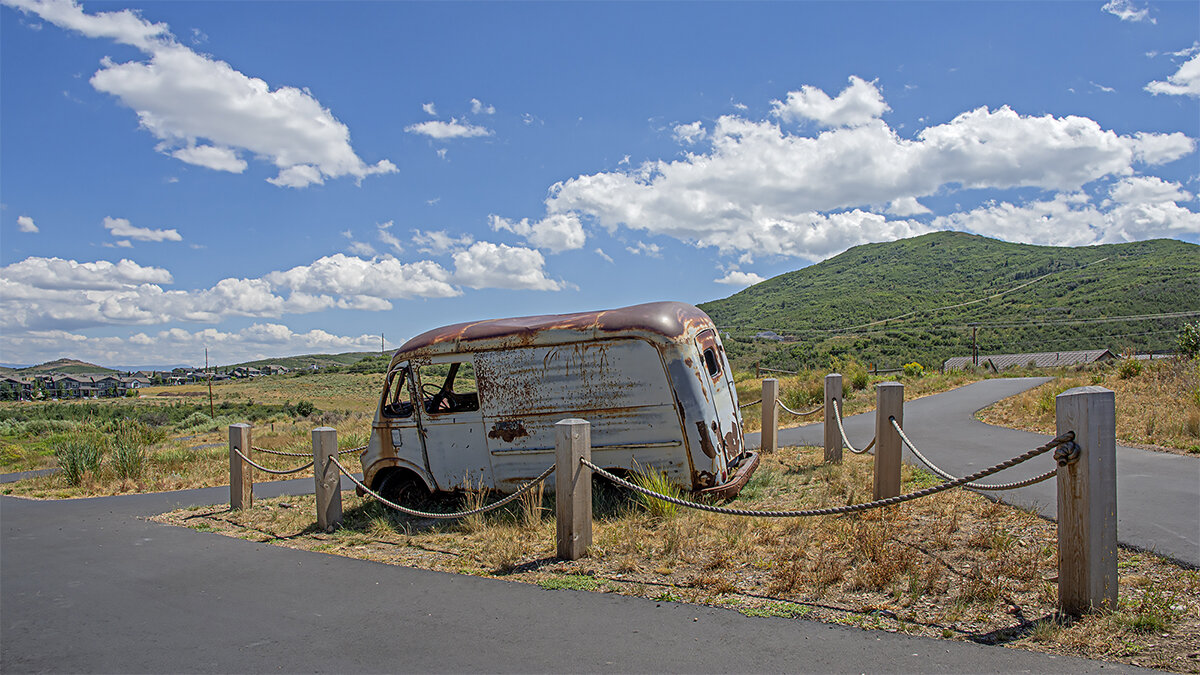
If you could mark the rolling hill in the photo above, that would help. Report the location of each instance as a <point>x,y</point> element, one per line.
<point>915,299</point>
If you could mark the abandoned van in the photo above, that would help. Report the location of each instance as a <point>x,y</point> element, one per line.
<point>474,404</point>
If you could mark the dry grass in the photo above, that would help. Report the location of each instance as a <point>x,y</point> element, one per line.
<point>182,464</point>
<point>954,565</point>
<point>1158,406</point>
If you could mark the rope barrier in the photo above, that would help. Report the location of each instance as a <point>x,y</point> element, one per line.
<point>814,411</point>
<point>975,486</point>
<point>445,516</point>
<point>747,405</point>
<point>1064,439</point>
<point>347,452</point>
<point>837,413</point>
<point>277,472</point>
<point>281,452</point>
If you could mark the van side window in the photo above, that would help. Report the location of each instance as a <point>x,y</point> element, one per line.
<point>708,345</point>
<point>397,399</point>
<point>448,388</point>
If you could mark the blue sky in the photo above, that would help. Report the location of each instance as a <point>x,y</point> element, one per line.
<point>275,178</point>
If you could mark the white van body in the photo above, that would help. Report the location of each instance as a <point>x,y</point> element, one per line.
<point>474,405</point>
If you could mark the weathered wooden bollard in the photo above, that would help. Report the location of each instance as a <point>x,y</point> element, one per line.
<point>573,487</point>
<point>889,403</point>
<point>1087,502</point>
<point>328,479</point>
<point>833,437</point>
<point>241,483</point>
<point>770,416</point>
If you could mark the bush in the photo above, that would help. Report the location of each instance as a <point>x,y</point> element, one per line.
<point>305,408</point>
<point>1129,367</point>
<point>78,457</point>
<point>914,369</point>
<point>1188,340</point>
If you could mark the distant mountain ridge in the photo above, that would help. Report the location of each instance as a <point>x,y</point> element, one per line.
<point>1047,297</point>
<point>77,367</point>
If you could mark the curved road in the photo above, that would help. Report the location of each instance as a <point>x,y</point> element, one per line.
<point>1158,494</point>
<point>92,586</point>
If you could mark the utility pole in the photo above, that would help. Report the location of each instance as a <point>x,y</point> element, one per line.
<point>208,376</point>
<point>382,349</point>
<point>974,346</point>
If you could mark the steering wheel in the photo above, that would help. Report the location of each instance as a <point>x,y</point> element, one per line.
<point>439,399</point>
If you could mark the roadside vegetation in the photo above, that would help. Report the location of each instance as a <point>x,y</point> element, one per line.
<point>1158,403</point>
<point>953,566</point>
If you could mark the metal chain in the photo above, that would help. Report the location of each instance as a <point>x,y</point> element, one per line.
<point>837,412</point>
<point>445,516</point>
<point>281,452</point>
<point>277,472</point>
<point>814,411</point>
<point>974,486</point>
<point>1060,440</point>
<point>747,405</point>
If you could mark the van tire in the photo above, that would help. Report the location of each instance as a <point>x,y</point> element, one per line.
<point>400,486</point>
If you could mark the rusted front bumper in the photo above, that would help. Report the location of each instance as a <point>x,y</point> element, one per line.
<point>746,463</point>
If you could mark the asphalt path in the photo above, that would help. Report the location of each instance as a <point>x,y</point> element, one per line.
<point>1158,493</point>
<point>92,586</point>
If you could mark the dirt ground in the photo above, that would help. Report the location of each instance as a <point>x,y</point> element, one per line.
<point>953,566</point>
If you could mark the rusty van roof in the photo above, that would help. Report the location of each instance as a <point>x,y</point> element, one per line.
<point>674,321</point>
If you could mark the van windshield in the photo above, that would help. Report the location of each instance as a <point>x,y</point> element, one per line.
<point>397,400</point>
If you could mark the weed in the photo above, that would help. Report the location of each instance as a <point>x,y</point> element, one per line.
<point>777,608</point>
<point>1153,613</point>
<point>129,450</point>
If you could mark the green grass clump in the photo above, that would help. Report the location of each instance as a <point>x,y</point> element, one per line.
<point>78,457</point>
<point>571,582</point>
<point>656,481</point>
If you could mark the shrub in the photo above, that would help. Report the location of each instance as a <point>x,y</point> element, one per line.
<point>1129,367</point>
<point>1188,340</point>
<point>78,457</point>
<point>305,408</point>
<point>914,369</point>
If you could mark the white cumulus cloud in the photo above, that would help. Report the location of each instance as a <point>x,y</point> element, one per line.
<point>488,265</point>
<point>441,130</point>
<point>1184,82</point>
<point>438,242</point>
<point>121,227</point>
<point>26,224</point>
<point>183,97</point>
<point>687,134</point>
<point>740,279</point>
<point>480,108</point>
<point>556,232</point>
<point>859,103</point>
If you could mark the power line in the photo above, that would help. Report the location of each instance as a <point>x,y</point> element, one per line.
<point>1009,324</point>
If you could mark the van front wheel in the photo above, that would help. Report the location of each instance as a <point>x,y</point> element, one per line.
<point>401,487</point>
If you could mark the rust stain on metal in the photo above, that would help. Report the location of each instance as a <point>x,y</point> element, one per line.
<point>508,430</point>
<point>706,443</point>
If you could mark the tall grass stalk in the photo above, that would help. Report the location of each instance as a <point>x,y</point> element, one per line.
<point>129,451</point>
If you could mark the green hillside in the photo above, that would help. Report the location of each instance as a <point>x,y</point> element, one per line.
<point>1070,294</point>
<point>306,360</point>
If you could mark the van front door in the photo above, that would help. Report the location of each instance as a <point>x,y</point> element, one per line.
<point>452,424</point>
<point>720,386</point>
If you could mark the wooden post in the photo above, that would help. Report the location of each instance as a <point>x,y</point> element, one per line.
<point>328,479</point>
<point>758,370</point>
<point>889,403</point>
<point>241,483</point>
<point>833,437</point>
<point>573,487</point>
<point>1087,502</point>
<point>770,415</point>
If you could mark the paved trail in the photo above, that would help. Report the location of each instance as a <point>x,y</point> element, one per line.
<point>1158,494</point>
<point>91,586</point>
